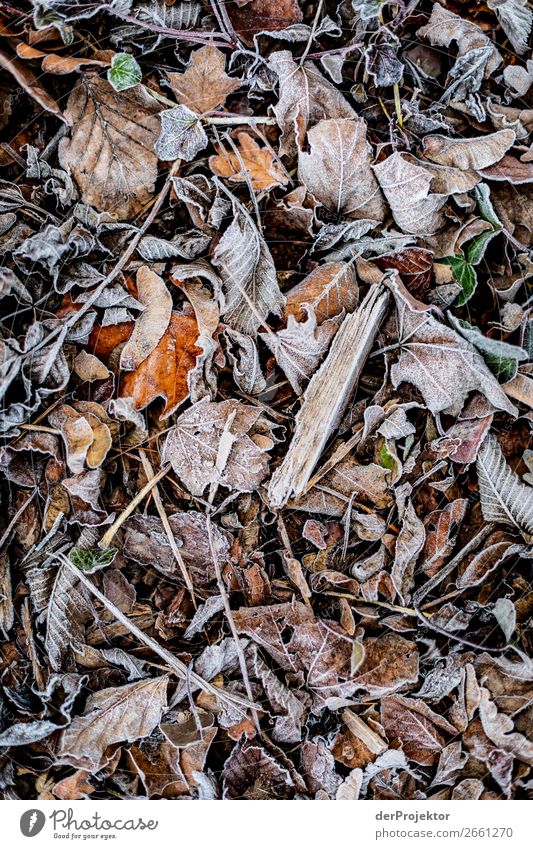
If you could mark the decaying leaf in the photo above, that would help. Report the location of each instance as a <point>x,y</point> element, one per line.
<point>407,187</point>
<point>222,443</point>
<point>205,84</point>
<point>329,289</point>
<point>249,161</point>
<point>164,372</point>
<point>113,715</point>
<point>153,322</point>
<point>110,151</point>
<point>337,171</point>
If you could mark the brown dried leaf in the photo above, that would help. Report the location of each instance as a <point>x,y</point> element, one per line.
<point>262,168</point>
<point>499,729</point>
<point>205,84</point>
<point>251,772</point>
<point>305,97</point>
<point>329,289</point>
<point>25,77</point>
<point>163,374</point>
<point>407,187</point>
<point>147,543</point>
<point>408,546</point>
<point>110,152</point>
<point>254,16</point>
<point>442,529</point>
<point>390,664</point>
<point>469,154</point>
<point>443,366</point>
<point>113,715</point>
<point>416,726</point>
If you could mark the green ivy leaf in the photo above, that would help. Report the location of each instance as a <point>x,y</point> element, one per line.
<point>465,274</point>
<point>475,248</point>
<point>501,357</point>
<point>124,72</point>
<point>91,559</point>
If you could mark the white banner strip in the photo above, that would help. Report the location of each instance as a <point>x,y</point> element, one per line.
<point>280,825</point>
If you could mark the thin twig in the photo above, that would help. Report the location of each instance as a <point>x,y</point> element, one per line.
<point>150,474</point>
<point>231,623</point>
<point>105,542</point>
<point>175,664</point>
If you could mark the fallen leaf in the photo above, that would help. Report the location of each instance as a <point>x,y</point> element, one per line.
<point>301,346</point>
<point>110,152</point>
<point>407,187</point>
<point>305,98</point>
<point>113,715</point>
<point>255,16</point>
<point>337,169</point>
<point>163,374</point>
<point>329,289</point>
<point>182,135</point>
<point>504,498</point>
<point>248,274</point>
<point>469,154</point>
<point>153,322</point>
<point>205,84</point>
<point>416,726</point>
<point>222,443</point>
<point>249,162</point>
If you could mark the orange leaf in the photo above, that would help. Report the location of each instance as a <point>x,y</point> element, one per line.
<point>263,170</point>
<point>76,786</point>
<point>329,289</point>
<point>163,374</point>
<point>104,340</point>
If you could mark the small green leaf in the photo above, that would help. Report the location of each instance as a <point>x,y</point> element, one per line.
<point>475,248</point>
<point>91,559</point>
<point>501,357</point>
<point>465,274</point>
<point>124,72</point>
<point>486,209</point>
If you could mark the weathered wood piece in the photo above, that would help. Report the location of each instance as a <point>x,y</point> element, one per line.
<point>327,396</point>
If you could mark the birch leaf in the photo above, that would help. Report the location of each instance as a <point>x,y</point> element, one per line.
<point>248,274</point>
<point>407,188</point>
<point>110,152</point>
<point>504,498</point>
<point>113,715</point>
<point>152,323</point>
<point>337,169</point>
<point>301,346</point>
<point>182,135</point>
<point>205,84</point>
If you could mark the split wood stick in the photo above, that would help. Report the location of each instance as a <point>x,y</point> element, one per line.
<point>327,396</point>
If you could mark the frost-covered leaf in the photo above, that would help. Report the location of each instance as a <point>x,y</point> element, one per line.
<point>472,153</point>
<point>305,97</point>
<point>443,366</point>
<point>329,289</point>
<point>69,611</point>
<point>417,727</point>
<point>300,347</point>
<point>182,135</point>
<point>113,715</point>
<point>110,152</point>
<point>219,443</point>
<point>205,84</point>
<point>248,274</point>
<point>337,169</point>
<point>516,19</point>
<point>407,188</point>
<point>153,321</point>
<point>504,498</point>
<point>124,72</point>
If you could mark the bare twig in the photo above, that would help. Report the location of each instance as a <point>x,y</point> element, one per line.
<point>107,538</point>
